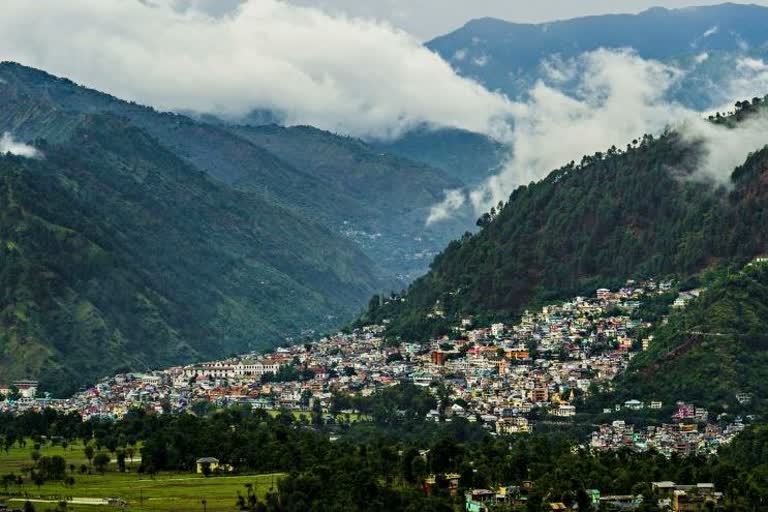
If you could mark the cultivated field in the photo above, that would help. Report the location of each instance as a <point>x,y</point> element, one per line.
<point>165,492</point>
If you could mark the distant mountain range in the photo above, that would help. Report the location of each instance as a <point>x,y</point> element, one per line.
<point>508,56</point>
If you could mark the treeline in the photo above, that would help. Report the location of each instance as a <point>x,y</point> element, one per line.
<point>380,471</point>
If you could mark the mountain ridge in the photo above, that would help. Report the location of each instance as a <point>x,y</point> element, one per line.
<point>239,162</point>
<point>506,56</point>
<point>117,254</point>
<point>615,216</point>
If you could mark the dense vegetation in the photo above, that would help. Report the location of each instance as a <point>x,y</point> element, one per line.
<point>144,239</point>
<point>469,157</point>
<point>387,197</point>
<point>631,213</point>
<point>115,253</point>
<point>716,348</point>
<point>383,472</point>
<point>379,201</point>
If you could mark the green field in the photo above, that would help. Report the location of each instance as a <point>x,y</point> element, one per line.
<point>165,492</point>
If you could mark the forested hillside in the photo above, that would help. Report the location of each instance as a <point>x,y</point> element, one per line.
<point>630,213</point>
<point>388,198</point>
<point>715,349</point>
<point>468,157</point>
<point>116,253</point>
<point>379,201</point>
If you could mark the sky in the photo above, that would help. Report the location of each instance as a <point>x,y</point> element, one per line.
<point>426,19</point>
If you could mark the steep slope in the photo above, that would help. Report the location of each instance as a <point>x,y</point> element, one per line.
<point>116,253</point>
<point>394,194</point>
<point>466,156</point>
<point>293,182</point>
<point>508,56</point>
<point>716,348</point>
<point>619,215</point>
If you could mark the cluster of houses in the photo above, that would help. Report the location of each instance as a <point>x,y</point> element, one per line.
<point>21,388</point>
<point>504,376</point>
<point>668,495</point>
<point>683,438</point>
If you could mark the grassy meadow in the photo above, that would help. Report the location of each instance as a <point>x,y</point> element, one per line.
<point>165,492</point>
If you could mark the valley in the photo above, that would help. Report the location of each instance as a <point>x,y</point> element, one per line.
<point>287,256</point>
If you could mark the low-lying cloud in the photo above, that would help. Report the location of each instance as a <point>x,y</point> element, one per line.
<point>723,149</point>
<point>615,96</point>
<point>10,145</point>
<point>454,199</point>
<point>749,78</point>
<point>355,76</point>
<point>365,78</point>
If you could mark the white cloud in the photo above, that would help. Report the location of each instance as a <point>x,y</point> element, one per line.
<point>701,58</point>
<point>619,97</point>
<point>9,145</point>
<point>454,199</point>
<point>748,79</point>
<point>712,31</point>
<point>556,69</point>
<point>725,148</point>
<point>349,75</point>
<point>460,54</point>
<point>751,64</point>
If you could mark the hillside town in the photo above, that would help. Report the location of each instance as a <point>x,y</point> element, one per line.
<point>666,495</point>
<point>506,377</point>
<point>684,438</point>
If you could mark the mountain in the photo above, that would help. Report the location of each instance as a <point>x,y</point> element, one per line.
<point>143,239</point>
<point>508,56</point>
<point>716,348</point>
<point>388,197</point>
<point>466,156</point>
<point>617,215</point>
<point>118,254</point>
<point>379,201</point>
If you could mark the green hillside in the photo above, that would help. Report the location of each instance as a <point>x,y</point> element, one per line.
<point>379,201</point>
<point>630,213</point>
<point>716,348</point>
<point>469,157</point>
<point>116,253</point>
<point>390,196</point>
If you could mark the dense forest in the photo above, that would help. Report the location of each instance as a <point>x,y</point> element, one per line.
<point>627,213</point>
<point>117,254</point>
<point>142,239</point>
<point>710,352</point>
